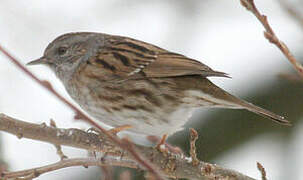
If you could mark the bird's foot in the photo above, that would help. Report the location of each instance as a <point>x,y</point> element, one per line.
<point>118,129</point>
<point>113,131</point>
<point>162,146</point>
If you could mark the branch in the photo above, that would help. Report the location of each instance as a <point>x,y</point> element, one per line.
<point>58,147</point>
<point>295,14</point>
<point>171,164</point>
<point>192,152</point>
<point>262,171</point>
<point>85,162</point>
<point>271,36</point>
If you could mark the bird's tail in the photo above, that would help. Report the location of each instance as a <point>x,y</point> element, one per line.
<point>223,99</point>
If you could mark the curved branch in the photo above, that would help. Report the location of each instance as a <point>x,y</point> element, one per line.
<point>271,36</point>
<point>85,162</point>
<point>171,164</point>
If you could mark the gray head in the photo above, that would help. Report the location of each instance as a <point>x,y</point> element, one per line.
<point>67,51</point>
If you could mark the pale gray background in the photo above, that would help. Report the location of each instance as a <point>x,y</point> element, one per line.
<point>220,33</point>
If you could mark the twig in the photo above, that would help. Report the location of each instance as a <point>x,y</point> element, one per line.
<point>85,162</point>
<point>271,36</point>
<point>262,170</point>
<point>58,147</point>
<point>173,165</point>
<point>3,166</point>
<point>79,113</point>
<point>193,139</point>
<point>138,157</point>
<point>291,77</point>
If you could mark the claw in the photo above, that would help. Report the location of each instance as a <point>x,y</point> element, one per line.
<point>161,146</point>
<point>93,130</point>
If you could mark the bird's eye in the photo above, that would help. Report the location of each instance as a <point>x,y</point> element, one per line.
<point>62,50</point>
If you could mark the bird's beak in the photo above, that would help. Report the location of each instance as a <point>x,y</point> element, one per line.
<point>41,60</point>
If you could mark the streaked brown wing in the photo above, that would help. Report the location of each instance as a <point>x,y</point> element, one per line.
<point>170,64</point>
<point>132,59</point>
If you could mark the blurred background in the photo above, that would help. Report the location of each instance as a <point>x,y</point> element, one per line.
<point>221,34</point>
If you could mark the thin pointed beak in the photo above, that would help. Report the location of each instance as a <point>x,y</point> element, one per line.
<point>41,60</point>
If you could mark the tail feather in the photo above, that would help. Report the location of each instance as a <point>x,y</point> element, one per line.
<point>265,113</point>
<point>223,99</point>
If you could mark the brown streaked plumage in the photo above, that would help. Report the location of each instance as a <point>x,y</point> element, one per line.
<point>119,81</point>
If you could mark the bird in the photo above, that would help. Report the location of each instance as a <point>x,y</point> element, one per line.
<point>123,81</point>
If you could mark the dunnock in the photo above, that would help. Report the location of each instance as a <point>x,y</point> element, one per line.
<point>123,81</point>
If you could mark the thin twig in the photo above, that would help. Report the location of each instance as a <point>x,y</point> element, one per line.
<point>174,165</point>
<point>271,36</point>
<point>85,162</point>
<point>193,153</point>
<point>58,147</point>
<point>79,113</point>
<point>262,171</point>
<point>139,157</point>
<point>291,77</point>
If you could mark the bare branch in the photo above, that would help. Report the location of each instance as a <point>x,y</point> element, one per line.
<point>295,14</point>
<point>291,77</point>
<point>85,162</point>
<point>262,170</point>
<point>271,36</point>
<point>193,139</point>
<point>138,157</point>
<point>58,147</point>
<point>173,165</point>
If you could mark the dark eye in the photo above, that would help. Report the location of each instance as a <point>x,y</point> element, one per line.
<point>62,50</point>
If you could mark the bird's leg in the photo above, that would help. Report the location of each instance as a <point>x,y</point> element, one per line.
<point>118,129</point>
<point>163,146</point>
<point>113,131</point>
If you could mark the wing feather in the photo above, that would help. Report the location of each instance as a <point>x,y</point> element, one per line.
<point>171,64</point>
<point>137,59</point>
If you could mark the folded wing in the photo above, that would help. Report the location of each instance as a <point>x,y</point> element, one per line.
<point>133,59</point>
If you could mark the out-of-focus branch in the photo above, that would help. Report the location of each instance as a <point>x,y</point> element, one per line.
<point>3,166</point>
<point>79,114</point>
<point>297,15</point>
<point>175,165</point>
<point>291,77</point>
<point>271,36</point>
